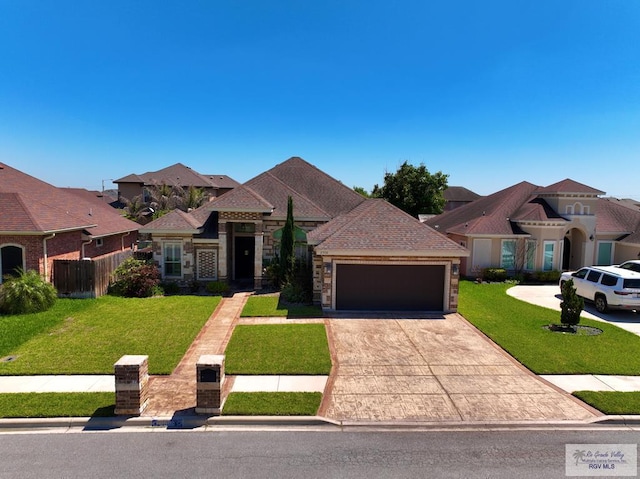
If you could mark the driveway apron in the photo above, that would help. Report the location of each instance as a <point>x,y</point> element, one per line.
<point>434,370</point>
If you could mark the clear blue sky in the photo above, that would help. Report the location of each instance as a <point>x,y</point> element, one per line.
<point>490,93</point>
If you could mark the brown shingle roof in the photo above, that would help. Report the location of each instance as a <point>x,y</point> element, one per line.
<point>615,218</point>
<point>176,220</point>
<point>459,193</point>
<point>569,186</point>
<point>179,175</point>
<point>377,227</point>
<point>241,198</point>
<point>32,206</point>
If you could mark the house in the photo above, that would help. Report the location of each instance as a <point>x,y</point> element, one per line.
<point>40,223</point>
<point>365,253</point>
<point>526,227</point>
<point>456,196</point>
<point>177,175</point>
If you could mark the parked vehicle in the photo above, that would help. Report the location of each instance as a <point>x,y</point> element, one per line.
<point>633,265</point>
<point>609,287</point>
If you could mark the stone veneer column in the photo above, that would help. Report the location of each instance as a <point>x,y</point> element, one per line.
<point>132,384</point>
<point>209,381</point>
<point>223,274</point>
<point>257,262</point>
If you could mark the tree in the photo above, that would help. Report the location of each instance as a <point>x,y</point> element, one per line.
<point>414,190</point>
<point>190,198</point>
<point>163,199</point>
<point>360,190</point>
<point>571,305</point>
<point>135,209</point>
<point>287,243</point>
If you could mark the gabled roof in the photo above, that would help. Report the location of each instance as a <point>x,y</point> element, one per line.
<point>488,215</point>
<point>568,186</point>
<point>241,198</point>
<point>179,175</point>
<point>322,191</point>
<point>176,221</point>
<point>459,193</point>
<point>31,206</point>
<point>376,227</point>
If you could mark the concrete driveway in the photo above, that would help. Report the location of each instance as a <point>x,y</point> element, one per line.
<point>549,296</point>
<point>433,370</point>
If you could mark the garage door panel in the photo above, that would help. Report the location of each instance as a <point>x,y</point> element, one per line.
<point>390,287</point>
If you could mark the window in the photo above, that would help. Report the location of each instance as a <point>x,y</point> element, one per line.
<point>530,255</point>
<point>605,252</point>
<point>99,242</point>
<point>548,258</point>
<point>11,260</point>
<point>173,259</point>
<point>508,255</point>
<point>581,274</point>
<point>608,280</point>
<point>594,276</point>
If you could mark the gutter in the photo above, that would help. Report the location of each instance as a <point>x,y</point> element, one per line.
<point>45,256</point>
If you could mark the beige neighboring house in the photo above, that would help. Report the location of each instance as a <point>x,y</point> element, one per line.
<point>177,175</point>
<point>365,253</point>
<point>526,227</point>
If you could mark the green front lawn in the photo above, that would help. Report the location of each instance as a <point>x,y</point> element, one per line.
<point>517,327</point>
<point>270,306</point>
<point>610,402</point>
<point>57,405</point>
<point>272,404</point>
<point>87,336</point>
<point>278,349</point>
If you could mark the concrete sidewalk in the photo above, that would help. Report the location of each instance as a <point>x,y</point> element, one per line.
<point>106,383</point>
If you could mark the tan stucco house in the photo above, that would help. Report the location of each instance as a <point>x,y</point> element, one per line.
<point>525,227</point>
<point>366,254</point>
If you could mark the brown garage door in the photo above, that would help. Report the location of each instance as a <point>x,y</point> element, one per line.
<point>375,287</point>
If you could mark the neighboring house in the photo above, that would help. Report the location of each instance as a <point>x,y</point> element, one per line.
<point>456,196</point>
<point>365,253</point>
<point>40,222</point>
<point>177,175</point>
<point>530,228</point>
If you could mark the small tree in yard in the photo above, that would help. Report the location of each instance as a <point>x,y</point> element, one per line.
<point>571,305</point>
<point>26,293</point>
<point>287,243</point>
<point>135,279</point>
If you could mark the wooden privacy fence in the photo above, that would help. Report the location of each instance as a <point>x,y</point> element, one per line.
<point>87,278</point>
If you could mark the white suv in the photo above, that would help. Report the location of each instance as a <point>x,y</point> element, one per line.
<point>608,287</point>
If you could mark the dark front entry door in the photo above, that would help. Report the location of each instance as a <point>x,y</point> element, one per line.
<point>244,257</point>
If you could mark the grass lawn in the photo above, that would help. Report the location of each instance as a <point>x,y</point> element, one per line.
<point>57,405</point>
<point>269,306</point>
<point>278,349</point>
<point>272,404</point>
<point>517,327</point>
<point>87,336</point>
<point>610,402</point>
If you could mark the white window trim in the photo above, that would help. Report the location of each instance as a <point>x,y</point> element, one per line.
<point>164,245</point>
<point>553,257</point>
<point>513,253</point>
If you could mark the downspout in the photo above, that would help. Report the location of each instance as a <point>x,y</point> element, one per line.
<point>84,243</point>
<point>122,239</point>
<point>46,258</point>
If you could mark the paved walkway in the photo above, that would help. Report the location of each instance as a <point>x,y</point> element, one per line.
<point>436,370</point>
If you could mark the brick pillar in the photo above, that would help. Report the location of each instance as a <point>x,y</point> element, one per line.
<point>209,380</point>
<point>257,267</point>
<point>132,384</point>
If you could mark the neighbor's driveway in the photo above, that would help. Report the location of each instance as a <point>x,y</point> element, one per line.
<point>549,296</point>
<point>434,370</point>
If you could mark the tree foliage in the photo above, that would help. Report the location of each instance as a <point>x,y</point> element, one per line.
<point>26,293</point>
<point>571,305</point>
<point>360,190</point>
<point>414,190</point>
<point>135,279</point>
<point>287,244</point>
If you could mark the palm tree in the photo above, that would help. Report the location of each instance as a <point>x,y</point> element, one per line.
<point>190,198</point>
<point>135,209</point>
<point>579,455</point>
<point>163,198</point>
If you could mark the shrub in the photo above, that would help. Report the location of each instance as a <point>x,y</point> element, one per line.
<point>170,288</point>
<point>26,293</point>
<point>217,287</point>
<point>547,276</point>
<point>494,275</point>
<point>135,279</point>
<point>571,305</point>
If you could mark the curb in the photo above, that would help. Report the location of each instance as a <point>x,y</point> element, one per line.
<point>204,422</point>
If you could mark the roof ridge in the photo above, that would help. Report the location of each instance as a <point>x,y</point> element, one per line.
<point>297,192</point>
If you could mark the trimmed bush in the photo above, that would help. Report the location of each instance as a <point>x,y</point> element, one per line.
<point>135,279</point>
<point>217,287</point>
<point>494,275</point>
<point>571,304</point>
<point>26,293</point>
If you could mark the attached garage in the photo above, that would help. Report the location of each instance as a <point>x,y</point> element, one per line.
<point>389,287</point>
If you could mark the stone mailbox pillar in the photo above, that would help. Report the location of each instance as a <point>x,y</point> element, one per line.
<point>132,384</point>
<point>209,380</point>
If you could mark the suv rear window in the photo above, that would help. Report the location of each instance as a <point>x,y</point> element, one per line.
<point>631,283</point>
<point>593,276</point>
<point>609,280</point>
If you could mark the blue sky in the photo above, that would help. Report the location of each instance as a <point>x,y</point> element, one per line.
<point>490,93</point>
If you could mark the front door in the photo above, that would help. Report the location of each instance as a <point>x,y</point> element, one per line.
<point>244,256</point>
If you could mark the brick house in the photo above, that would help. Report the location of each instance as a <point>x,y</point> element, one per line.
<point>40,223</point>
<point>366,254</point>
